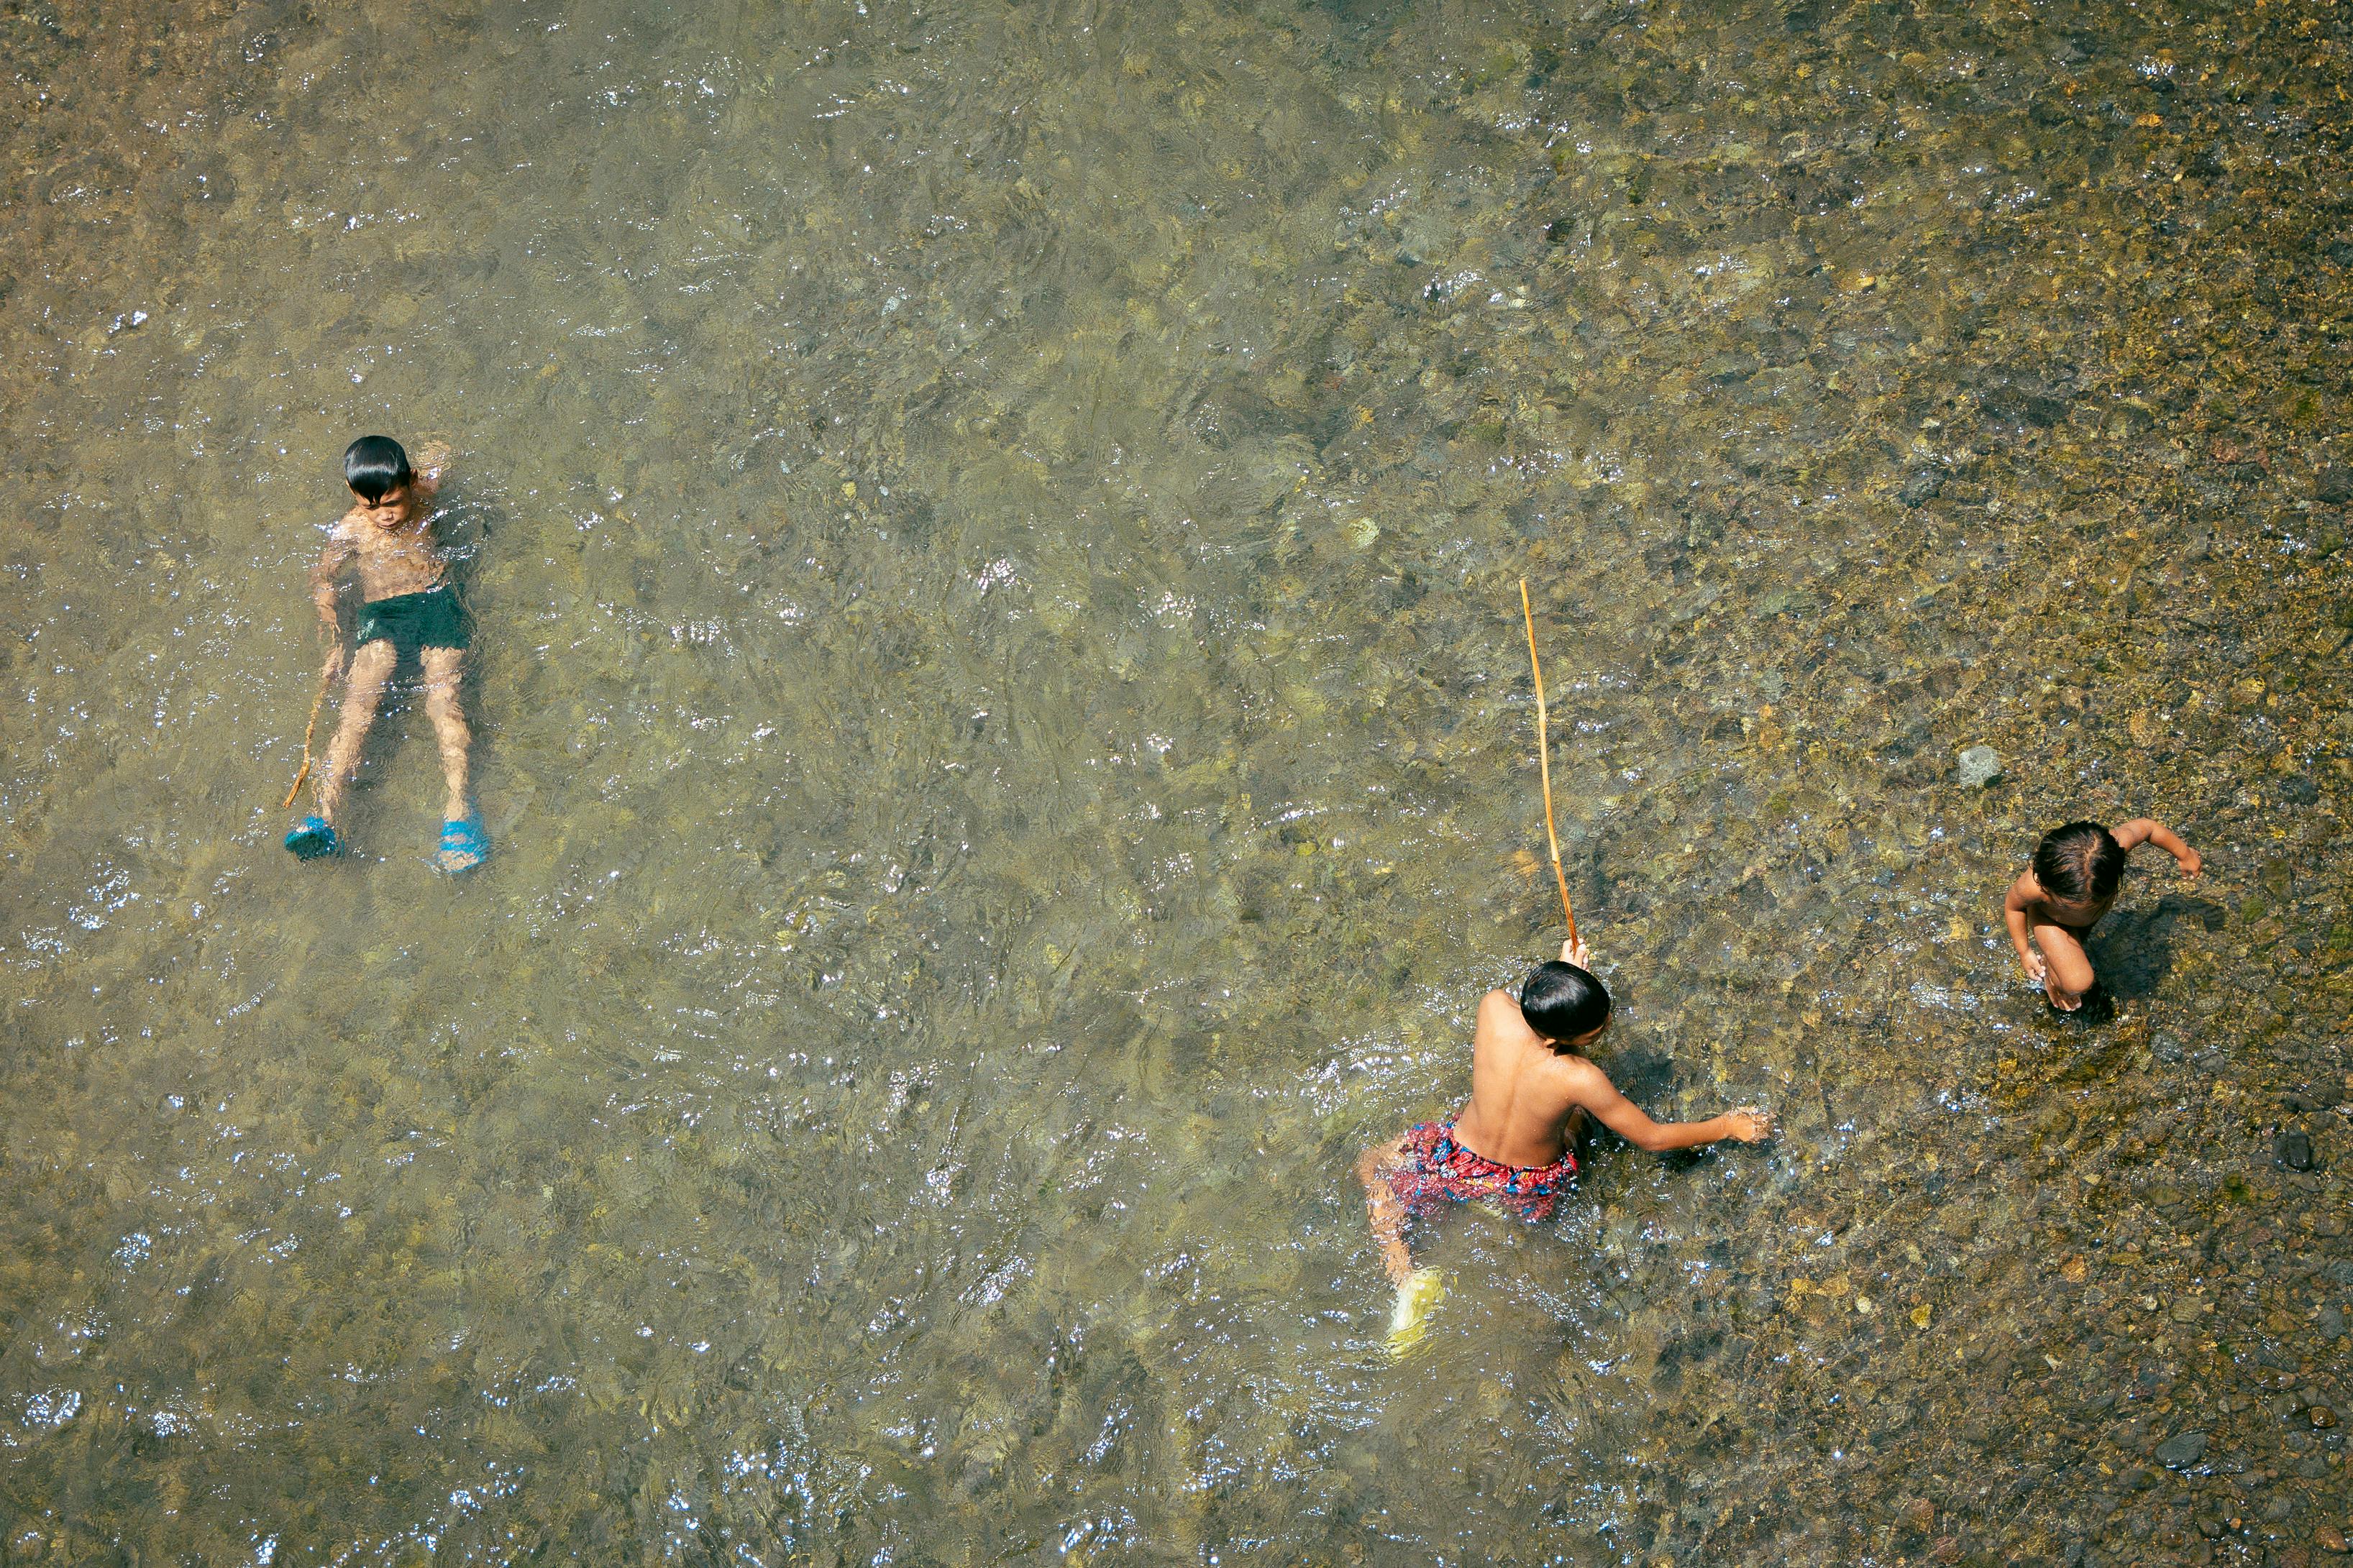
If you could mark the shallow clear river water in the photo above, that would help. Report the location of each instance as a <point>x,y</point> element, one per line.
<point>993,529</point>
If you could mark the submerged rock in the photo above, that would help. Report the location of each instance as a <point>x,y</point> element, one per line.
<point>1979,766</point>
<point>2183,1448</point>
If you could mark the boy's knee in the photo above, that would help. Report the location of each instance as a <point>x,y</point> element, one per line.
<point>2071,972</point>
<point>373,662</point>
<point>443,671</point>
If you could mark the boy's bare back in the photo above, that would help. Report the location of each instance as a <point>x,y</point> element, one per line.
<point>1523,1091</point>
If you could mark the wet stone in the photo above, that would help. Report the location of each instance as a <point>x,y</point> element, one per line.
<point>1979,766</point>
<point>2183,1448</point>
<point>1922,486</point>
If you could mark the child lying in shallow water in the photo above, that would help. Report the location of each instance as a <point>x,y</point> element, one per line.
<point>409,609</point>
<point>1511,1143</point>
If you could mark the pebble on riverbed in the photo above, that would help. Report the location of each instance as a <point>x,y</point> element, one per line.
<point>1980,766</point>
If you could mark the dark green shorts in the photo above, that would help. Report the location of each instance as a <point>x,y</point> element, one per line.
<point>413,621</point>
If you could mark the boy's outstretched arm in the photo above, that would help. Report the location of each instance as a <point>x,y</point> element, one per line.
<point>2014,908</point>
<point>1594,1091</point>
<point>2149,830</point>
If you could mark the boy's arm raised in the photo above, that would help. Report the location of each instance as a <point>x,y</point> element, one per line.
<point>2149,830</point>
<point>1591,1089</point>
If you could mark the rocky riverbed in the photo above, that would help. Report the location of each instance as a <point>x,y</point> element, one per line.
<point>994,529</point>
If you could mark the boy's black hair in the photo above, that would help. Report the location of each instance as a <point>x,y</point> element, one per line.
<point>2081,862</point>
<point>374,467</point>
<point>1561,1002</point>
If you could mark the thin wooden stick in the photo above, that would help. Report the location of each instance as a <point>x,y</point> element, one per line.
<point>326,678</point>
<point>1544,762</point>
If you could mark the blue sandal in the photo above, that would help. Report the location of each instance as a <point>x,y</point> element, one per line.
<point>464,845</point>
<point>311,838</point>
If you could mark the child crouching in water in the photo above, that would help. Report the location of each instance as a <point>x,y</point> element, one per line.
<point>1512,1143</point>
<point>2067,889</point>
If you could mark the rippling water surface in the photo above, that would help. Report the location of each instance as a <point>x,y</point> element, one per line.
<point>993,528</point>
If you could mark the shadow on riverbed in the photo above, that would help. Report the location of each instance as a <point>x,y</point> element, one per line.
<point>2133,950</point>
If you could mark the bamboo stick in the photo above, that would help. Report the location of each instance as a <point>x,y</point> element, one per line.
<point>326,678</point>
<point>1544,762</point>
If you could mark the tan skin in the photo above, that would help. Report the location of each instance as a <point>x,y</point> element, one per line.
<point>390,548</point>
<point>2037,920</point>
<point>1524,1096</point>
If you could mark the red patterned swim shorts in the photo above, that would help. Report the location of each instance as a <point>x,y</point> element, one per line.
<point>1433,1170</point>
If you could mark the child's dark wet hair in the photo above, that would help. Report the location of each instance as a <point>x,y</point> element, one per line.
<point>1561,1002</point>
<point>2081,862</point>
<point>374,467</point>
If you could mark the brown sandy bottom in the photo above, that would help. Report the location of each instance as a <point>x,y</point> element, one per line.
<point>993,531</point>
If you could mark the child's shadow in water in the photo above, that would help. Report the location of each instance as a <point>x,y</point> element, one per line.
<point>2133,951</point>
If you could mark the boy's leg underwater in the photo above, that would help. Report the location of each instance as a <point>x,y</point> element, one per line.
<point>444,669</point>
<point>1418,1290</point>
<point>1381,1205</point>
<point>464,845</point>
<point>2067,974</point>
<point>372,666</point>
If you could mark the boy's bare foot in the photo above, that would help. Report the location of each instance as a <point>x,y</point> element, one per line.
<point>1418,1294</point>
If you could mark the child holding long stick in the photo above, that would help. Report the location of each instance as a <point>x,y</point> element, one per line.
<point>409,608</point>
<point>1512,1143</point>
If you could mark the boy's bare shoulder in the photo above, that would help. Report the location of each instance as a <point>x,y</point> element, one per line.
<point>1499,1018</point>
<point>1582,1078</point>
